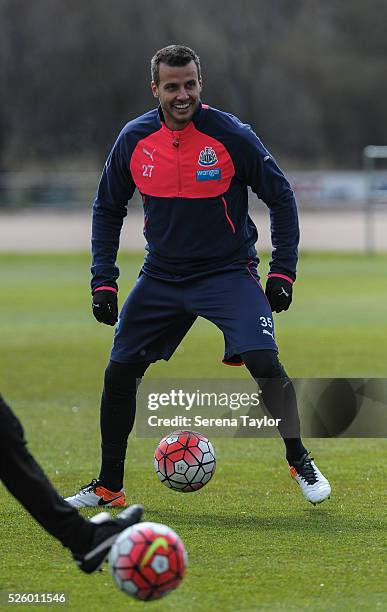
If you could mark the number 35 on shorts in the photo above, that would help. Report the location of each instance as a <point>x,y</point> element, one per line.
<point>267,326</point>
<point>266,322</point>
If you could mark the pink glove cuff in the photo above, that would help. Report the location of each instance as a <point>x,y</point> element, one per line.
<point>290,280</point>
<point>103,288</point>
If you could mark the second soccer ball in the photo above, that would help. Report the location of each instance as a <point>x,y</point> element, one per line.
<point>147,561</point>
<point>184,461</point>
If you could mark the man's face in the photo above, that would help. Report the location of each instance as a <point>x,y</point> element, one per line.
<point>179,93</point>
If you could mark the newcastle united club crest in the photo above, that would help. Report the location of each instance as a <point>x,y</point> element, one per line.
<point>207,157</point>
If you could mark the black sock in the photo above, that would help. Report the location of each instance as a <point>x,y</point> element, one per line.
<point>279,398</point>
<point>118,411</point>
<point>280,401</point>
<point>112,471</point>
<point>294,449</point>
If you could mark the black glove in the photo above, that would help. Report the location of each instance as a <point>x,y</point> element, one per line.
<point>105,306</point>
<point>279,293</point>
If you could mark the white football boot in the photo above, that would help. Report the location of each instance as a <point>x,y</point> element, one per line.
<point>94,494</point>
<point>314,486</point>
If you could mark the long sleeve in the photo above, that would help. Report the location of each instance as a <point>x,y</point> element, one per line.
<point>269,183</point>
<point>116,187</point>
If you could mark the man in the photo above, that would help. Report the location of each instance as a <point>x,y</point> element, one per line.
<point>192,165</point>
<point>89,541</point>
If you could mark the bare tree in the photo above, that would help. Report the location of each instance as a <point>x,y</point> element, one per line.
<point>309,76</point>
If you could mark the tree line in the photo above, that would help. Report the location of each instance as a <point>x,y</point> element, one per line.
<point>309,76</point>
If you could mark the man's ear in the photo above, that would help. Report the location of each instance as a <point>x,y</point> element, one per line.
<point>155,89</point>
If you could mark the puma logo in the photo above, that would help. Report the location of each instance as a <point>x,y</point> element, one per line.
<point>149,153</point>
<point>265,331</point>
<point>283,292</point>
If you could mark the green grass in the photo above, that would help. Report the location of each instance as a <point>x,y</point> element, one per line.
<point>253,543</point>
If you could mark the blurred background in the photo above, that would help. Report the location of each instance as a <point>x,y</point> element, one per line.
<point>310,77</point>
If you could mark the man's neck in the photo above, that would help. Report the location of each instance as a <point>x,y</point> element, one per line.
<point>174,126</point>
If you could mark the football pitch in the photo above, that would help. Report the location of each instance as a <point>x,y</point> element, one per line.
<point>253,542</point>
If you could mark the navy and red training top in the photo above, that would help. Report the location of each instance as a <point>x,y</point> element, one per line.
<point>193,183</point>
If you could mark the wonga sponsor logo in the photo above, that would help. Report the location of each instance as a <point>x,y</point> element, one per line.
<point>209,175</point>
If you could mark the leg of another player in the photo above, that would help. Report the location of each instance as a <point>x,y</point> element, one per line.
<point>89,541</point>
<point>117,415</point>
<point>24,478</point>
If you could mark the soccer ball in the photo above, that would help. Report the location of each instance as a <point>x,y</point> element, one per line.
<point>147,561</point>
<point>184,461</point>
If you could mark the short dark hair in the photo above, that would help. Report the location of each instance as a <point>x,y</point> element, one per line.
<point>173,55</point>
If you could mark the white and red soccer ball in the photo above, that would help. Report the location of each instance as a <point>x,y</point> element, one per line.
<point>147,561</point>
<point>185,461</point>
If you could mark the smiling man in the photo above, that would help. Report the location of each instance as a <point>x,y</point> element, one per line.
<point>192,165</point>
<point>178,89</point>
